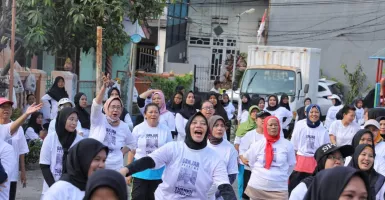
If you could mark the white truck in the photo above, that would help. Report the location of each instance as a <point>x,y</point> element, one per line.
<point>276,70</point>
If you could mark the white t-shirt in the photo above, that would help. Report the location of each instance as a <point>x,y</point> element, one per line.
<point>276,178</point>
<point>247,140</point>
<point>331,115</point>
<point>229,155</point>
<point>180,123</point>
<point>128,121</point>
<point>188,173</point>
<point>150,138</point>
<point>168,119</point>
<point>63,190</point>
<point>299,192</point>
<point>244,116</point>
<point>50,108</point>
<point>51,153</point>
<point>113,137</point>
<point>230,109</point>
<point>306,140</point>
<point>5,131</point>
<point>344,134</point>
<point>8,160</point>
<point>20,146</point>
<point>281,113</point>
<point>380,149</point>
<point>360,116</point>
<point>30,134</point>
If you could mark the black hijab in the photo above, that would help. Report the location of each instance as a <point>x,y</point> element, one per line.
<point>124,112</point>
<point>374,113</point>
<point>65,138</point>
<point>78,162</point>
<point>285,105</point>
<point>187,110</point>
<point>228,102</point>
<point>32,122</point>
<point>189,140</point>
<point>330,183</point>
<point>272,108</point>
<point>84,116</point>
<point>371,173</point>
<point>301,110</point>
<point>338,102</point>
<point>219,110</point>
<point>106,178</point>
<point>245,106</point>
<point>357,137</point>
<point>172,106</point>
<point>57,93</point>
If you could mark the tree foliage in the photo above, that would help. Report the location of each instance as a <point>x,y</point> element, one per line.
<point>60,26</point>
<point>356,81</point>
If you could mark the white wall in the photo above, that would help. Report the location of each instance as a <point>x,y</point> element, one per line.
<point>248,25</point>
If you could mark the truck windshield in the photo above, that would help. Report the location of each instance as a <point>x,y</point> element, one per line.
<point>268,81</point>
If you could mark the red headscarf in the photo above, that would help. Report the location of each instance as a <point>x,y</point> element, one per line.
<point>270,140</point>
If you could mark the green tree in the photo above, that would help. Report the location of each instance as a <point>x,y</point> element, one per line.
<point>356,81</point>
<point>60,26</point>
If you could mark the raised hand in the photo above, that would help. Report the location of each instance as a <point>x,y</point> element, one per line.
<point>33,108</point>
<point>106,80</point>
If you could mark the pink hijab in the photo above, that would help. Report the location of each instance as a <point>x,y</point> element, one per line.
<point>108,102</point>
<point>162,108</point>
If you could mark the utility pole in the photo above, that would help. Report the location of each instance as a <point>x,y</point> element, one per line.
<point>132,78</point>
<point>12,64</point>
<point>99,57</point>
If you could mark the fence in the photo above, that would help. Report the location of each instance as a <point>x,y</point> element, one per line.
<point>202,79</point>
<point>147,60</point>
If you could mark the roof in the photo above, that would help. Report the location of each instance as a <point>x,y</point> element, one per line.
<point>271,67</point>
<point>379,55</point>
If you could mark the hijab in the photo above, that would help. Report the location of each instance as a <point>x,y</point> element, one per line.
<point>285,105</point>
<point>357,137</point>
<point>245,106</point>
<point>173,107</point>
<point>57,93</point>
<point>84,116</point>
<point>228,102</point>
<point>330,183</point>
<point>106,178</point>
<point>187,111</point>
<point>66,138</point>
<point>270,140</point>
<point>301,110</point>
<point>272,108</point>
<point>374,113</point>
<point>162,108</point>
<point>107,105</point>
<point>371,173</point>
<point>338,102</point>
<point>124,112</point>
<point>32,122</point>
<point>79,161</point>
<point>189,140</point>
<point>309,123</point>
<point>212,121</point>
<point>247,125</point>
<point>219,110</point>
<point>356,102</point>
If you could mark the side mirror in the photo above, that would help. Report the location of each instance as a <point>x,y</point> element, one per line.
<point>306,90</point>
<point>235,86</point>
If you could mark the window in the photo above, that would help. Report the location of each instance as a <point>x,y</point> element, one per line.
<point>321,89</point>
<point>176,22</point>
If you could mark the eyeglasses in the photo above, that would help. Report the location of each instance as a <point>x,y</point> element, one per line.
<point>117,108</point>
<point>208,108</point>
<point>335,158</point>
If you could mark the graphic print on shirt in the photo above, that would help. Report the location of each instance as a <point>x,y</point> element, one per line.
<point>10,141</point>
<point>110,138</point>
<point>185,184</point>
<point>151,143</point>
<point>310,146</point>
<point>59,162</point>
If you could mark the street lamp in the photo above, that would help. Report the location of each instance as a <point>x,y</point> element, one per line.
<point>251,10</point>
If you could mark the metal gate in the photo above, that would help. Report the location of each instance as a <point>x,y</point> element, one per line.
<point>147,60</point>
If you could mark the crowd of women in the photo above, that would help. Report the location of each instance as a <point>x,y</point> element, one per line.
<point>180,149</point>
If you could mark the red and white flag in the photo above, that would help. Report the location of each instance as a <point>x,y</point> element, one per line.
<point>261,27</point>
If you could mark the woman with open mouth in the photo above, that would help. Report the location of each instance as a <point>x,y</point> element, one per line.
<point>191,167</point>
<point>225,150</point>
<point>184,115</point>
<point>86,157</point>
<point>125,116</point>
<point>272,160</point>
<point>149,135</point>
<point>306,138</point>
<point>363,159</point>
<point>109,129</point>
